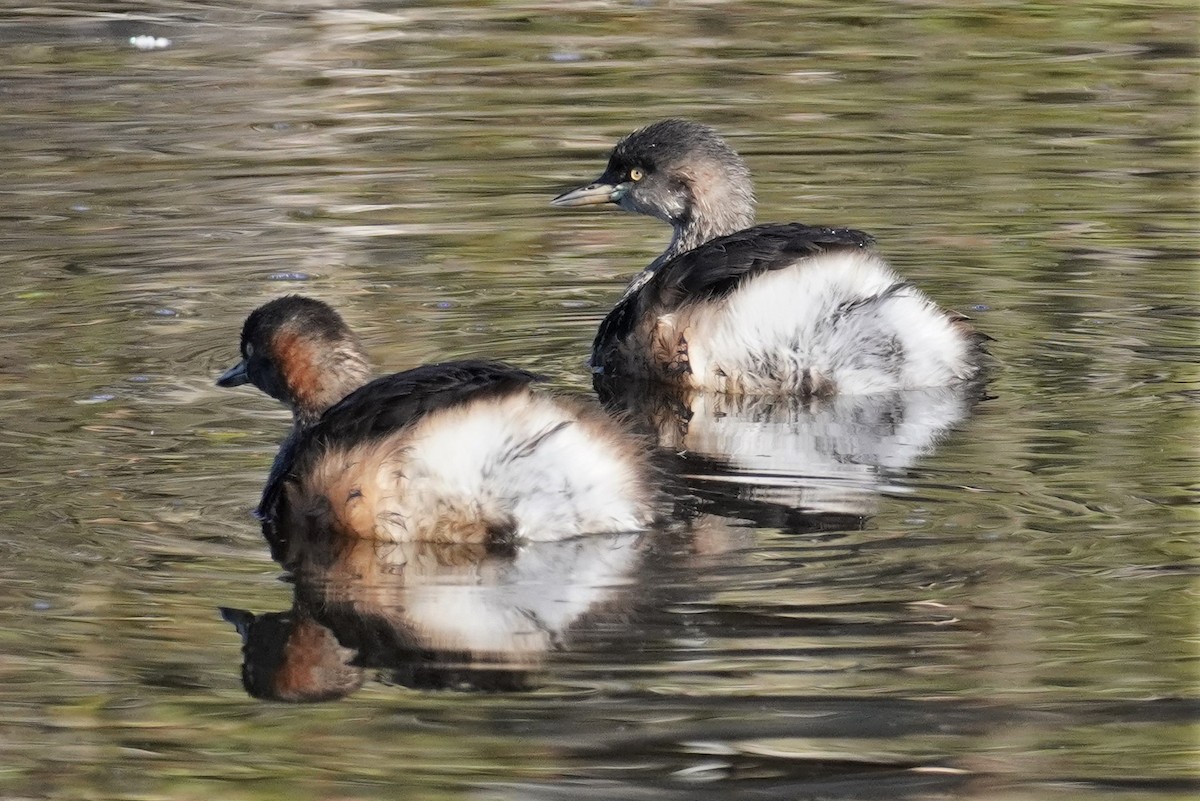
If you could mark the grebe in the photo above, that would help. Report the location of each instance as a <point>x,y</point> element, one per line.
<point>766,309</point>
<point>459,452</point>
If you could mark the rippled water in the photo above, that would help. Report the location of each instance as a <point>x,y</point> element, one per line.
<point>919,597</point>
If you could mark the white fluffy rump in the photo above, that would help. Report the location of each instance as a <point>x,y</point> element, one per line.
<point>835,321</point>
<point>525,465</point>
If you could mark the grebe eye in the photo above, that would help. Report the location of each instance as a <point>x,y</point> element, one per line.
<point>636,175</point>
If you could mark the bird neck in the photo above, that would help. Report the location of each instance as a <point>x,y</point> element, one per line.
<point>342,371</point>
<point>725,207</point>
<point>695,232</point>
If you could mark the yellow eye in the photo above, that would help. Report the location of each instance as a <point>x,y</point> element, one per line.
<point>636,175</point>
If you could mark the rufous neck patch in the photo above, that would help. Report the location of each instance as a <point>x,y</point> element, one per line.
<point>300,361</point>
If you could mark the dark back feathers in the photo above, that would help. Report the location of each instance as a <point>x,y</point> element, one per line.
<point>392,402</point>
<point>715,269</point>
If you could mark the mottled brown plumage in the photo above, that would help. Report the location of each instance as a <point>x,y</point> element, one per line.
<point>460,451</point>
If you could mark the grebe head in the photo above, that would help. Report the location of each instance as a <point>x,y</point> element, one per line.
<point>680,172</point>
<point>299,351</point>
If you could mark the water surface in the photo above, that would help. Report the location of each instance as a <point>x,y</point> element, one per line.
<point>917,598</point>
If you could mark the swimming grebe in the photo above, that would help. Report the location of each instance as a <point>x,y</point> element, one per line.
<point>768,309</point>
<point>458,452</point>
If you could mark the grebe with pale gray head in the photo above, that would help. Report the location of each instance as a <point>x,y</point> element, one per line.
<point>772,309</point>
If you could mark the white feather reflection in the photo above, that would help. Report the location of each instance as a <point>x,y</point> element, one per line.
<point>428,614</point>
<point>832,456</point>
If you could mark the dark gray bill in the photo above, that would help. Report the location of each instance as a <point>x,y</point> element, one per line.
<point>235,376</point>
<point>590,195</point>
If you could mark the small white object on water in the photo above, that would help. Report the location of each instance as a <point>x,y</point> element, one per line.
<point>145,42</point>
<point>99,397</point>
